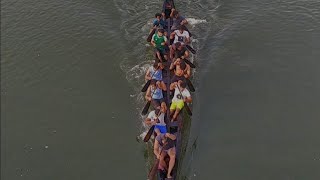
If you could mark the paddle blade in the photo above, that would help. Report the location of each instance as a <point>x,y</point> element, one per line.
<point>188,109</point>
<point>149,134</point>
<point>190,63</point>
<point>154,170</point>
<point>150,35</point>
<point>191,49</point>
<point>190,85</point>
<point>146,108</point>
<point>145,87</point>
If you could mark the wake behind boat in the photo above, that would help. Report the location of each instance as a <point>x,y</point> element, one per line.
<point>167,90</point>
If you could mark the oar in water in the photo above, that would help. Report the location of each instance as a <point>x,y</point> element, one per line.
<point>151,34</point>
<point>145,87</point>
<point>190,63</point>
<point>190,85</point>
<point>191,49</point>
<point>149,134</point>
<point>185,104</point>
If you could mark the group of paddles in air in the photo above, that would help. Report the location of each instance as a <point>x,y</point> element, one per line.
<point>169,73</point>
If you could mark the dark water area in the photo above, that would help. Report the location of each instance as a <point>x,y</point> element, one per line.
<point>71,72</point>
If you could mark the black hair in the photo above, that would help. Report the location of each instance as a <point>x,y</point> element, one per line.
<point>161,30</point>
<point>153,82</point>
<point>183,84</point>
<point>183,64</point>
<point>157,14</point>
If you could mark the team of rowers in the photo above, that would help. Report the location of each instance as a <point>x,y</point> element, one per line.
<point>169,55</point>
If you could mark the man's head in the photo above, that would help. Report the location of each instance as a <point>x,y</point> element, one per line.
<point>163,107</point>
<point>160,32</point>
<point>155,65</point>
<point>183,65</point>
<point>153,83</point>
<point>181,28</point>
<point>175,14</point>
<point>158,15</point>
<point>182,85</point>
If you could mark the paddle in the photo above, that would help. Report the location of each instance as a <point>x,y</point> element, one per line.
<point>190,85</point>
<point>185,104</point>
<point>145,87</point>
<point>190,63</point>
<point>149,134</point>
<point>146,107</point>
<point>191,49</point>
<point>151,34</point>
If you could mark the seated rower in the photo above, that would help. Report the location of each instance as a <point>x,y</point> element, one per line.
<point>155,94</point>
<point>159,41</point>
<point>167,8</point>
<point>164,145</point>
<point>178,20</point>
<point>159,23</point>
<point>180,35</point>
<point>156,117</point>
<point>177,50</point>
<point>181,96</point>
<point>181,70</point>
<point>154,72</point>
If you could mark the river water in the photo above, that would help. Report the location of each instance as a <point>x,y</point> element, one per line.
<point>71,72</point>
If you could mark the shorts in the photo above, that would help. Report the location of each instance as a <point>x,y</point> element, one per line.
<point>162,128</point>
<point>156,102</point>
<point>162,51</point>
<point>176,78</point>
<point>177,104</point>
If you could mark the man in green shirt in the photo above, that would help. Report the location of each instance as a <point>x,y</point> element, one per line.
<point>159,41</point>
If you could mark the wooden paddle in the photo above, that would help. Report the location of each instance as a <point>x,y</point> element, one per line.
<point>191,49</point>
<point>145,87</point>
<point>149,134</point>
<point>190,63</point>
<point>190,85</point>
<point>185,104</point>
<point>151,34</point>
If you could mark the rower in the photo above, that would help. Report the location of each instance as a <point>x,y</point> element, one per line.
<point>178,50</point>
<point>159,23</point>
<point>180,35</point>
<point>167,8</point>
<point>159,41</point>
<point>181,70</point>
<point>164,145</point>
<point>156,117</point>
<point>177,20</point>
<point>155,94</point>
<point>181,96</point>
<point>154,72</point>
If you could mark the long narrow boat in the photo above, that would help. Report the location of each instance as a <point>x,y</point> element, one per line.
<point>174,127</point>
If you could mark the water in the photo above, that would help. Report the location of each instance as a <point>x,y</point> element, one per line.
<point>71,73</point>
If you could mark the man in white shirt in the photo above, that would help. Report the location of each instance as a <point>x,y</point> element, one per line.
<point>181,96</point>
<point>180,35</point>
<point>156,117</point>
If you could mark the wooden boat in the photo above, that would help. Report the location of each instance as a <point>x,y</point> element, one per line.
<point>171,126</point>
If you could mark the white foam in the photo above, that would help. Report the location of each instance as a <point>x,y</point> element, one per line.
<point>194,21</point>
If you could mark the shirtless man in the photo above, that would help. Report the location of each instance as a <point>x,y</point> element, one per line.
<point>181,70</point>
